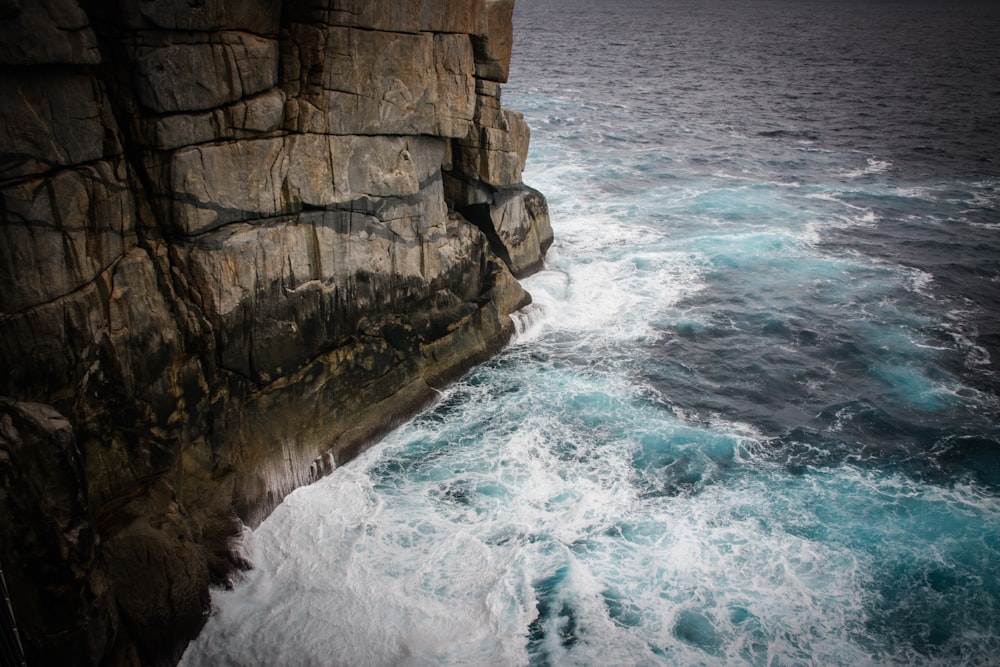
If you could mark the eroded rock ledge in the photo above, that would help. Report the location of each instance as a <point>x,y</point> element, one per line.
<point>241,240</point>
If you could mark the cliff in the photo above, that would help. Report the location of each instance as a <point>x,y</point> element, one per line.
<point>241,239</point>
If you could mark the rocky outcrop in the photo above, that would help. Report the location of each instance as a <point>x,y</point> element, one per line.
<point>241,240</point>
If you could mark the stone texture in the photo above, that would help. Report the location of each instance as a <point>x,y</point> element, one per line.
<point>247,118</point>
<point>34,32</point>
<point>256,16</point>
<point>353,81</point>
<point>240,242</point>
<point>387,15</point>
<point>494,40</point>
<point>494,150</point>
<point>173,76</point>
<point>216,184</point>
<point>521,219</point>
<point>444,16</point>
<point>43,499</point>
<point>53,121</point>
<point>62,231</point>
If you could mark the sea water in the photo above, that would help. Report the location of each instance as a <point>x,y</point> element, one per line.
<point>752,414</point>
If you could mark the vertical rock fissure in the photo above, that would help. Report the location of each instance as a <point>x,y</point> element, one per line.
<point>479,215</point>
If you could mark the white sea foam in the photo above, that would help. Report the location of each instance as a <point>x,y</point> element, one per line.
<point>852,216</point>
<point>344,578</point>
<point>350,572</point>
<point>873,165</point>
<point>528,322</point>
<point>608,280</point>
<point>964,333</point>
<point>920,282</point>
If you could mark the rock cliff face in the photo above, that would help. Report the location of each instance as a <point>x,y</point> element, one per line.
<point>241,239</point>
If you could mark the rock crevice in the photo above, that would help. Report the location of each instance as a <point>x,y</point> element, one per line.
<point>241,241</point>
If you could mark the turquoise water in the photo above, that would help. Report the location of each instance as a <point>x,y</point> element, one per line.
<point>752,415</point>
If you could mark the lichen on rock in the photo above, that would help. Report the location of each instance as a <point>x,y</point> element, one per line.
<point>241,241</point>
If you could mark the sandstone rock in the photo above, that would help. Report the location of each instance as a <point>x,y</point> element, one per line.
<point>495,40</point>
<point>113,338</point>
<point>216,184</point>
<point>496,155</point>
<point>521,219</point>
<point>245,119</point>
<point>67,615</point>
<point>488,109</point>
<point>256,234</point>
<point>263,113</point>
<point>143,338</point>
<point>37,32</point>
<point>277,294</point>
<point>449,334</point>
<point>256,16</point>
<point>453,16</point>
<point>496,148</point>
<point>53,121</point>
<point>351,81</point>
<point>172,77</point>
<point>389,15</point>
<point>158,574</point>
<point>442,16</point>
<point>45,349</point>
<point>62,231</point>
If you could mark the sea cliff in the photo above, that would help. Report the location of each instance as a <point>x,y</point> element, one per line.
<point>240,241</point>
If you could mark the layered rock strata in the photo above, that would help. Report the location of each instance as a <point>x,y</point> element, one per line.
<point>240,241</point>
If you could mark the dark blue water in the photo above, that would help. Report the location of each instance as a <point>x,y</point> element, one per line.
<point>752,416</point>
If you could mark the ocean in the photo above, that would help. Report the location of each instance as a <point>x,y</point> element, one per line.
<point>753,414</point>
